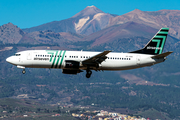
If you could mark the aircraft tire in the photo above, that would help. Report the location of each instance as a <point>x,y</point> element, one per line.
<point>88,75</point>
<point>23,71</point>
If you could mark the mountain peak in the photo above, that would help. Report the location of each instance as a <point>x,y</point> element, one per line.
<point>10,33</point>
<point>91,6</point>
<point>136,11</point>
<point>88,11</point>
<point>9,25</point>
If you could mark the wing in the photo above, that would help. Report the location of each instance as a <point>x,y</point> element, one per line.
<point>96,60</point>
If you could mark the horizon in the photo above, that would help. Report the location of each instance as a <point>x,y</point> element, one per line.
<point>26,14</point>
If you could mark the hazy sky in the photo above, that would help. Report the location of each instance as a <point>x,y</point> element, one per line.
<point>30,13</point>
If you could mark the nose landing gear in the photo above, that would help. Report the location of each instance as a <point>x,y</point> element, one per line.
<point>23,71</point>
<point>88,73</point>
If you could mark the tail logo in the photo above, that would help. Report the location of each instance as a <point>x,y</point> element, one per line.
<point>158,41</point>
<point>156,44</point>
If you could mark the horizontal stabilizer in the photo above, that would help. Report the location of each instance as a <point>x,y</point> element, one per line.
<point>162,55</point>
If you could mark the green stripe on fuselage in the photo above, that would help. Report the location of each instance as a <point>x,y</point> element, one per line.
<point>62,59</point>
<point>51,52</point>
<point>54,59</point>
<point>58,59</point>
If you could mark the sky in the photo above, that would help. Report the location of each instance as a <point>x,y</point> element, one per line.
<point>31,13</point>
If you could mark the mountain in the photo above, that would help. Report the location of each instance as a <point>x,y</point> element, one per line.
<point>88,11</point>
<point>115,32</point>
<point>87,21</point>
<point>10,33</point>
<point>156,19</point>
<point>92,19</point>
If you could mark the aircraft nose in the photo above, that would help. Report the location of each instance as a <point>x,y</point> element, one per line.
<point>9,59</point>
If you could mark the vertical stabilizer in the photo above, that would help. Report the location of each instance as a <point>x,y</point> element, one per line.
<point>156,45</point>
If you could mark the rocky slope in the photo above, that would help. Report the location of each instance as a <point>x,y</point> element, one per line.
<point>156,19</point>
<point>87,21</point>
<point>10,33</point>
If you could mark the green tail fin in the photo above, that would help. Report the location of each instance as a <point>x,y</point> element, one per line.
<point>156,45</point>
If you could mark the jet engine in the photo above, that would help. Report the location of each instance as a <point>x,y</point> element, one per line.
<point>71,64</point>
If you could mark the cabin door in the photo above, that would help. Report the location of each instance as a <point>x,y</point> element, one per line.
<point>29,56</point>
<point>138,59</point>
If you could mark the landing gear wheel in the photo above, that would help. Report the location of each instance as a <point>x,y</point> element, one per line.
<point>23,71</point>
<point>88,74</point>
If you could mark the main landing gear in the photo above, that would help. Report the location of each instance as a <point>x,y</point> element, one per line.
<point>88,73</point>
<point>23,71</point>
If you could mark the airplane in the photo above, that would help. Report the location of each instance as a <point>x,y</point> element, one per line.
<point>74,62</point>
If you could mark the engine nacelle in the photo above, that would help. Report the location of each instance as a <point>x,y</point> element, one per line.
<point>71,67</point>
<point>71,64</point>
<point>66,71</point>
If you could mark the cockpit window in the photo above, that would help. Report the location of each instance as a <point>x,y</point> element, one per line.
<point>17,54</point>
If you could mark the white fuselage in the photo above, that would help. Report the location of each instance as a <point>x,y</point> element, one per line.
<point>56,59</point>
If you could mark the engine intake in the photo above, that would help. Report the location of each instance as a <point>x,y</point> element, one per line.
<point>71,64</point>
